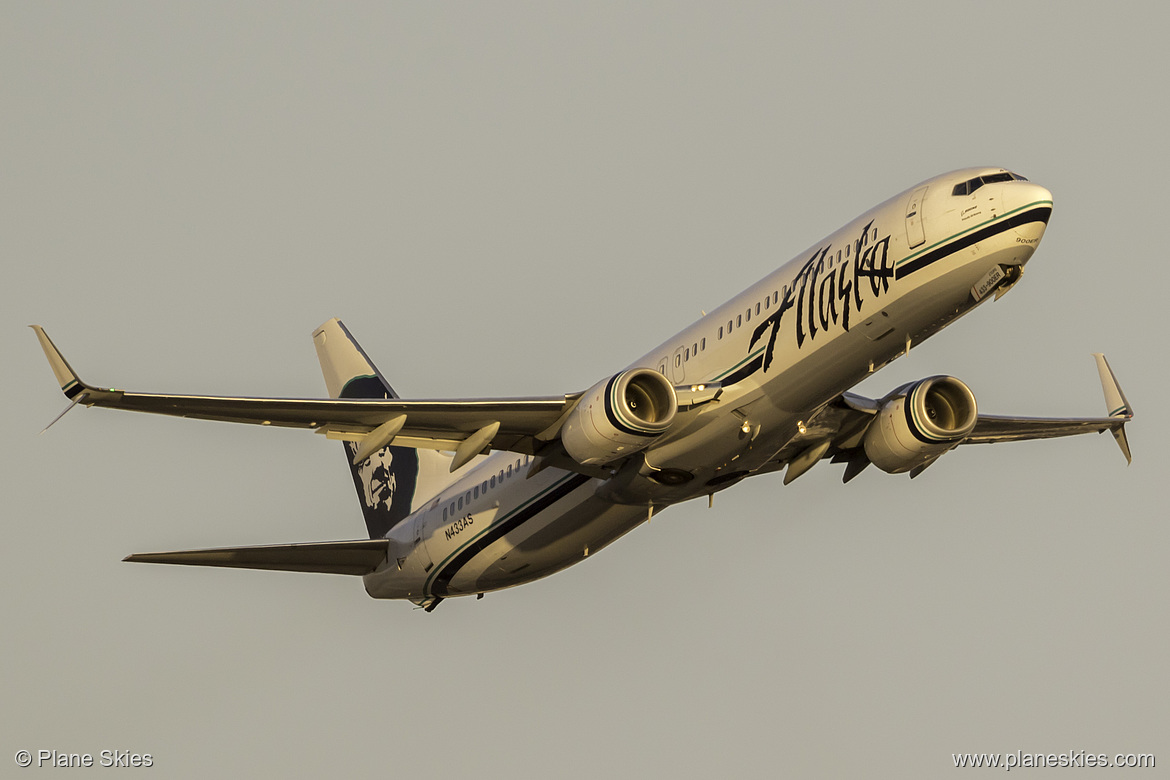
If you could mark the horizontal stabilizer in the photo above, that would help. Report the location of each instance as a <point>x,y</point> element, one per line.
<point>356,557</point>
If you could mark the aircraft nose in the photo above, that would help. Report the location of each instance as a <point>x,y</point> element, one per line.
<point>1023,194</point>
<point>1031,205</point>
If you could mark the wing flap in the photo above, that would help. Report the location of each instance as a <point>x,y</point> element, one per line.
<point>350,557</point>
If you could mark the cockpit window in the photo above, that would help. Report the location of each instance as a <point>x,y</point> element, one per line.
<point>969,186</point>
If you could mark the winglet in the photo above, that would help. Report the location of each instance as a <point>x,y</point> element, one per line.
<point>1116,404</point>
<point>71,384</point>
<point>1114,398</point>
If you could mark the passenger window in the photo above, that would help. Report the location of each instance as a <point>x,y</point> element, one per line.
<point>767,302</point>
<point>687,354</point>
<point>739,319</point>
<point>729,323</point>
<point>509,469</point>
<point>475,492</point>
<point>748,316</point>
<point>703,344</point>
<point>677,361</point>
<point>695,348</point>
<point>776,297</point>
<point>460,502</point>
<point>493,481</point>
<point>720,331</point>
<point>444,514</point>
<point>757,308</point>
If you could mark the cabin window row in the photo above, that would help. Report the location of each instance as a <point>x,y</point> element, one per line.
<point>743,319</point>
<point>689,352</point>
<point>771,300</point>
<point>496,479</point>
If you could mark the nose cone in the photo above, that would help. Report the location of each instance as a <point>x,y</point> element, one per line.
<point>1029,206</point>
<point>1025,194</point>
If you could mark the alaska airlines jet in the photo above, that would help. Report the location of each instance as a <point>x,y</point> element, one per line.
<point>464,497</point>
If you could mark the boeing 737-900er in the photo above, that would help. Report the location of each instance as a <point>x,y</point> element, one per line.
<point>464,497</point>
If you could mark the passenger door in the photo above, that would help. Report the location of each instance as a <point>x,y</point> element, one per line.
<point>915,234</point>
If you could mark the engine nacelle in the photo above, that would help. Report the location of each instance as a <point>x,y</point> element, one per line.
<point>618,416</point>
<point>920,423</point>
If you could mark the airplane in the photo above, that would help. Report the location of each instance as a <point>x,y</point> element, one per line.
<point>466,497</point>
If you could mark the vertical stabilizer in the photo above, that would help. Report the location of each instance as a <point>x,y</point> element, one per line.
<point>393,481</point>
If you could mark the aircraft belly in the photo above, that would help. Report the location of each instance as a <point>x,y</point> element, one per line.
<point>719,439</point>
<point>392,582</point>
<point>405,570</point>
<point>546,545</point>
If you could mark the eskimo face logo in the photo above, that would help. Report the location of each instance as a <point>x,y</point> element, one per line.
<point>377,477</point>
<point>385,483</point>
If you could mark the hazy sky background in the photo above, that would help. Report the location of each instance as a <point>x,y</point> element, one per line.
<point>518,199</point>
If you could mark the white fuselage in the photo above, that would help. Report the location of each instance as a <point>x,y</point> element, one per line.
<point>782,350</point>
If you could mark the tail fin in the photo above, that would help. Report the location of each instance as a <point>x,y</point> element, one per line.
<point>394,481</point>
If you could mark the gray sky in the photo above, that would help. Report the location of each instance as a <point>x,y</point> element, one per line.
<point>518,199</point>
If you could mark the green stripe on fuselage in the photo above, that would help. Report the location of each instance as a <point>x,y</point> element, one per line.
<point>751,356</point>
<point>439,568</point>
<point>971,229</point>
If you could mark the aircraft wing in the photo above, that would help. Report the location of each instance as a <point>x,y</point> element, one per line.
<point>355,558</point>
<point>466,427</point>
<point>837,430</point>
<point>991,429</point>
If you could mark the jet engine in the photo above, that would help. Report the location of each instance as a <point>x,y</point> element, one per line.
<point>618,416</point>
<point>919,422</point>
